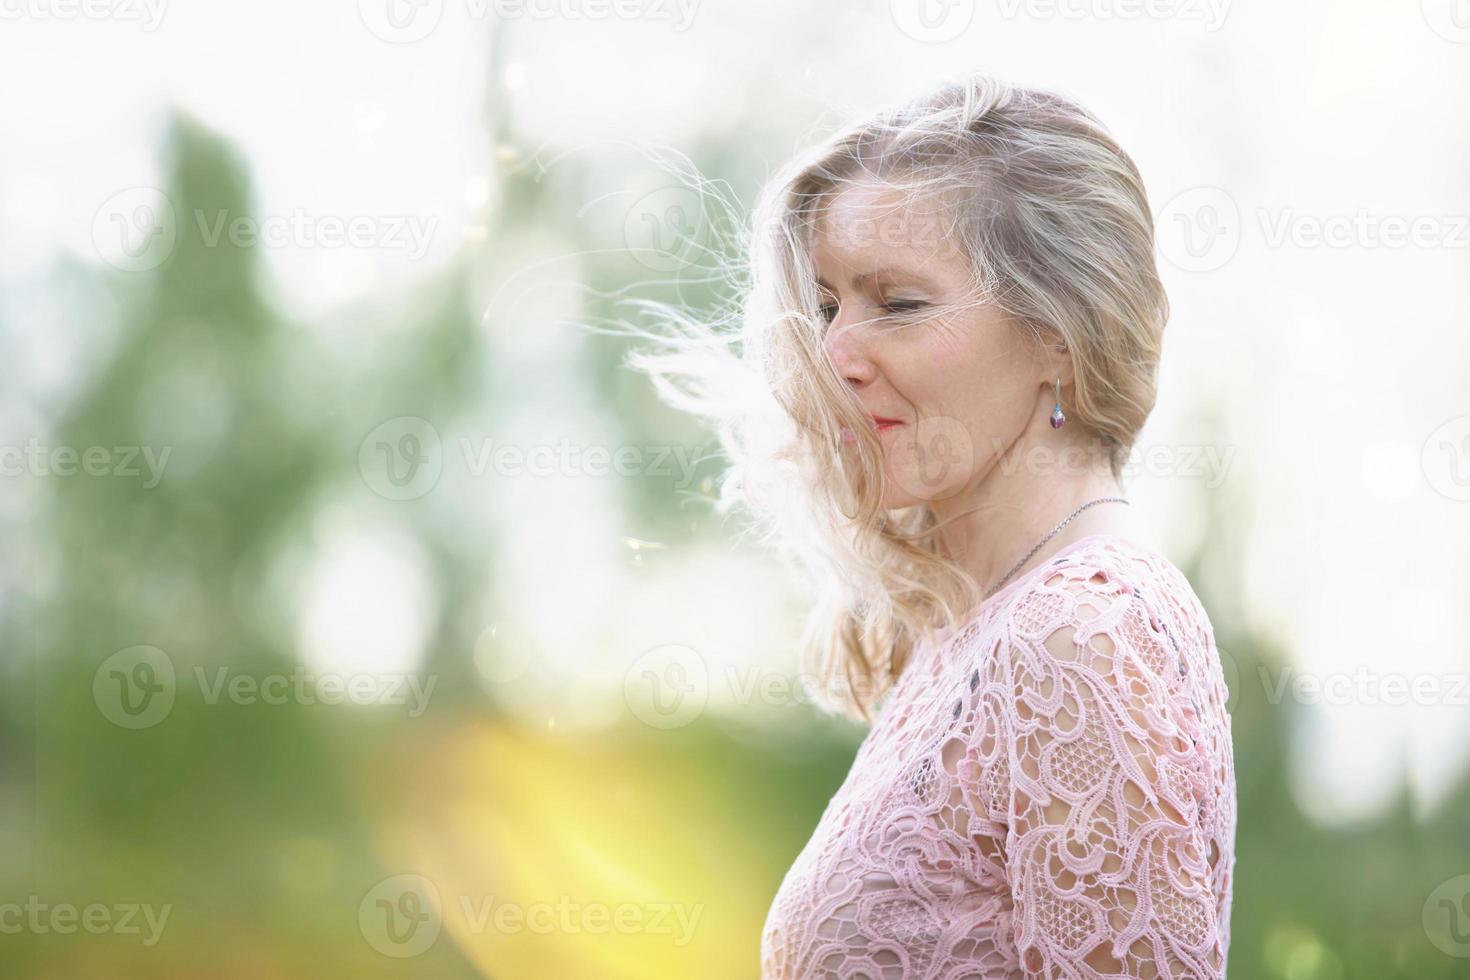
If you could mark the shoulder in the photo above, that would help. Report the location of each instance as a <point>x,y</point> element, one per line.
<point>1112,593</point>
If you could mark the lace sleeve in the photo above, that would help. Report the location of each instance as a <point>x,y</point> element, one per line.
<point>1106,853</point>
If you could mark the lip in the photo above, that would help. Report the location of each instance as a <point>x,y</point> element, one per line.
<point>880,423</point>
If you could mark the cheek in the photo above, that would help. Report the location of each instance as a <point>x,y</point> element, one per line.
<point>971,371</point>
<point>933,460</point>
<point>951,342</point>
<point>928,368</point>
<point>947,375</point>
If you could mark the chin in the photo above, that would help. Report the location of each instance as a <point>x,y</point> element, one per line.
<point>895,497</point>
<point>913,487</point>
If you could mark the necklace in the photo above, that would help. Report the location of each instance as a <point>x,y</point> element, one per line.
<point>1015,568</point>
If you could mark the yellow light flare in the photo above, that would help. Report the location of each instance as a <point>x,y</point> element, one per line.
<point>557,858</point>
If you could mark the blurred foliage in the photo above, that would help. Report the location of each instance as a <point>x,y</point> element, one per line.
<point>264,827</point>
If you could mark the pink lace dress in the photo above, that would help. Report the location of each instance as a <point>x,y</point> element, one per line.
<point>1047,792</point>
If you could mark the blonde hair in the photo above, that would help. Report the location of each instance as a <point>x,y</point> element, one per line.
<point>1052,216</point>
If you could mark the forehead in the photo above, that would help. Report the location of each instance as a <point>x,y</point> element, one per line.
<point>874,230</point>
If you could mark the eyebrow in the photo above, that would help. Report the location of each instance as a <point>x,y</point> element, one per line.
<point>911,275</point>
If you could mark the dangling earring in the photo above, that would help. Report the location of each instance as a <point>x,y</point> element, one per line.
<point>1057,418</point>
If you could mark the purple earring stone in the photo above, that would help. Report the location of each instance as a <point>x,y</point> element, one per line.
<point>1057,418</point>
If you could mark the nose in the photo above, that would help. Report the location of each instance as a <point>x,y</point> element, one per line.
<point>846,349</point>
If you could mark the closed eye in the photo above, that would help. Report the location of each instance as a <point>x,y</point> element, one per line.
<point>902,307</point>
<point>896,307</point>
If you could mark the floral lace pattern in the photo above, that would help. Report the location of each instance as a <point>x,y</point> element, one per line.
<point>1047,792</point>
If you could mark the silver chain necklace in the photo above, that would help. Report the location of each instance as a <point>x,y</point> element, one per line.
<point>1100,500</point>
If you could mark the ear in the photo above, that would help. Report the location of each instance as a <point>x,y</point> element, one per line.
<point>1056,359</point>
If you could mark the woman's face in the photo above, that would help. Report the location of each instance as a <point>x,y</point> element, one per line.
<point>906,331</point>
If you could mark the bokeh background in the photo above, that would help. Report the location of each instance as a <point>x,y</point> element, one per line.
<point>364,616</point>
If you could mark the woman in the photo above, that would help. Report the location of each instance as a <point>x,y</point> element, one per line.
<point>955,321</point>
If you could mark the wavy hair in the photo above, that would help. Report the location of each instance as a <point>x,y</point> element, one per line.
<point>1051,215</point>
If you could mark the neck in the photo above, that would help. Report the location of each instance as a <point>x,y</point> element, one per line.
<point>1022,498</point>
